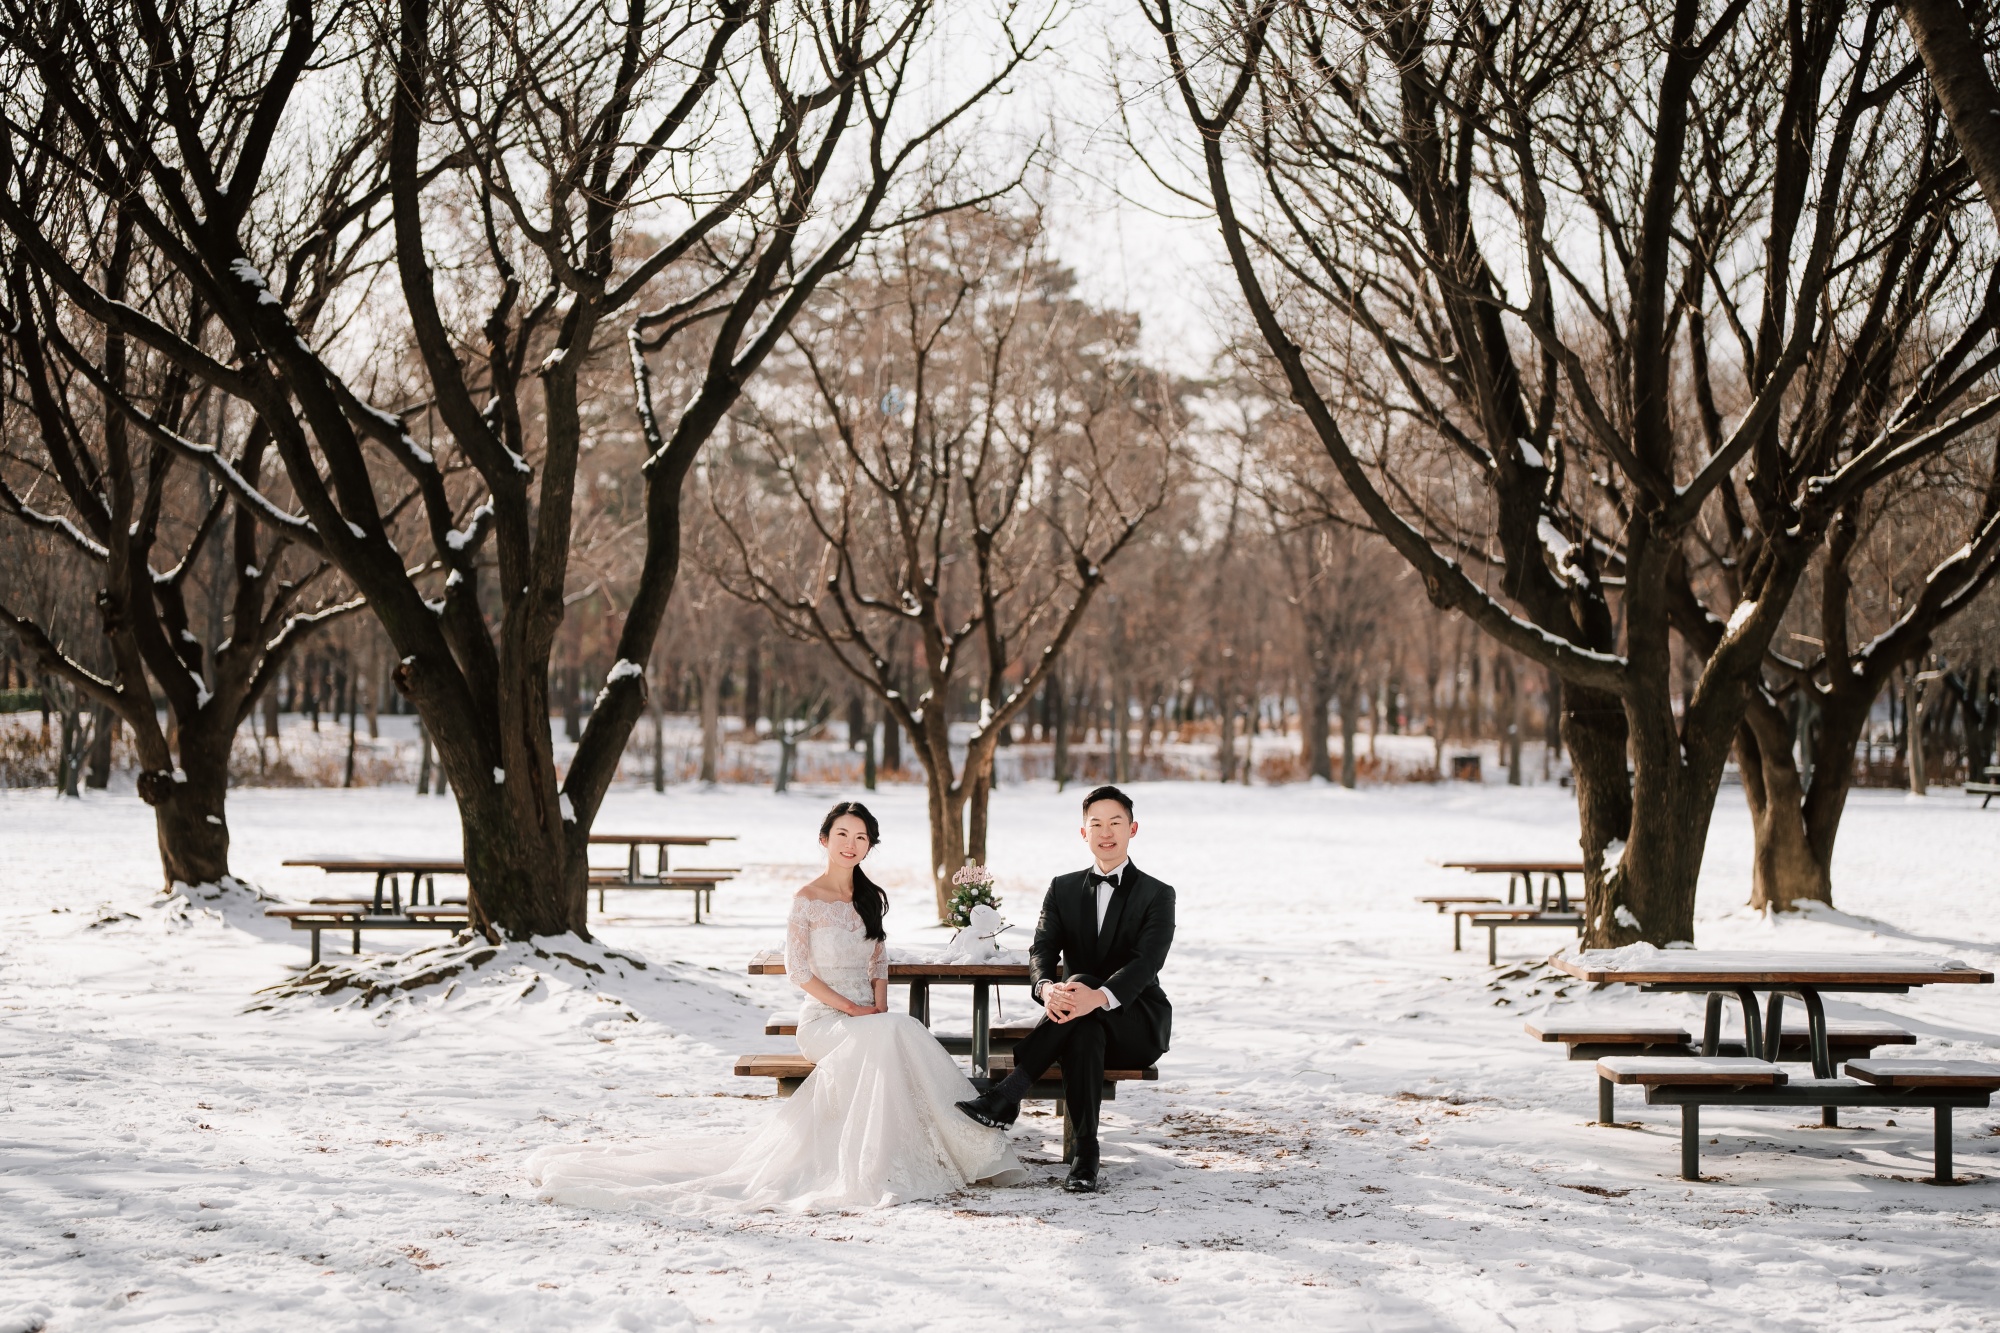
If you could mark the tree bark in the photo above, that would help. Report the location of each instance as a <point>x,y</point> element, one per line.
<point>711,722</point>
<point>1349,691</point>
<point>1313,722</point>
<point>1784,870</point>
<point>104,726</point>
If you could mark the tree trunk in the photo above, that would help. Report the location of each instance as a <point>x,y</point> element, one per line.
<point>104,726</point>
<point>1348,692</point>
<point>1121,741</point>
<point>1059,705</point>
<point>659,742</point>
<point>868,774</point>
<point>1313,724</point>
<point>271,713</point>
<point>1594,731</point>
<point>1952,56</point>
<point>892,744</point>
<point>976,804</point>
<point>423,759</point>
<point>69,759</point>
<point>189,816</point>
<point>1913,728</point>
<point>1783,871</point>
<point>347,774</point>
<point>1225,744</point>
<point>947,837</point>
<point>711,722</point>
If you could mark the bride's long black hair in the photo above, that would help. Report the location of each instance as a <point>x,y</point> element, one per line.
<point>869,900</point>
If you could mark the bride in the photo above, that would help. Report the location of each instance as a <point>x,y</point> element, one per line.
<point>876,1121</point>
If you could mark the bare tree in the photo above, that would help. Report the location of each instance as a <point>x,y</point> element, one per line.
<point>507,157</point>
<point>1896,570</point>
<point>1532,248</point>
<point>160,539</point>
<point>962,448</point>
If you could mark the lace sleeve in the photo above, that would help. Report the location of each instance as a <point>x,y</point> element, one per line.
<point>798,945</point>
<point>878,961</point>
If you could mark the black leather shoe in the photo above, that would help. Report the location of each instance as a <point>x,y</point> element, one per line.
<point>992,1111</point>
<point>1082,1179</point>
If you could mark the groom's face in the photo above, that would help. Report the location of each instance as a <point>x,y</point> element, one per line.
<point>1109,831</point>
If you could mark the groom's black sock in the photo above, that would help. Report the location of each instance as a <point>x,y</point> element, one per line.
<point>1013,1087</point>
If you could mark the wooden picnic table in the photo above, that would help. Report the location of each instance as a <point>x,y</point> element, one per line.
<point>920,977</point>
<point>387,866</point>
<point>701,883</point>
<point>1524,872</point>
<point>1742,973</point>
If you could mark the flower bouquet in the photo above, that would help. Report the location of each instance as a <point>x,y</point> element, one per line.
<point>974,889</point>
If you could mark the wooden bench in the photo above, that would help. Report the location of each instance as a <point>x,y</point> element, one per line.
<point>1003,1037</point>
<point>333,916</point>
<point>1494,920</point>
<point>701,883</point>
<point>1595,1040</point>
<point>1444,900</point>
<point>791,1070</point>
<point>1986,789</point>
<point>1589,1040</point>
<point>1693,1083</point>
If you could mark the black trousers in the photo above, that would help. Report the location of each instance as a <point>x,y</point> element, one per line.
<point>1085,1047</point>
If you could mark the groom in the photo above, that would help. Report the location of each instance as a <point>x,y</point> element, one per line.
<point>1099,945</point>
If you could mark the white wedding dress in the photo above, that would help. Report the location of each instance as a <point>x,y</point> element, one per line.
<point>874,1124</point>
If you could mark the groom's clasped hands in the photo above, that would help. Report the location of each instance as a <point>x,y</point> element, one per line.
<point>1064,1000</point>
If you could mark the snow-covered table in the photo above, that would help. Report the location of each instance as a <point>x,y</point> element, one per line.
<point>1742,973</point>
<point>388,866</point>
<point>1524,871</point>
<point>920,975</point>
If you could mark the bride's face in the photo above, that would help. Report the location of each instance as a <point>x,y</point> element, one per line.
<point>846,842</point>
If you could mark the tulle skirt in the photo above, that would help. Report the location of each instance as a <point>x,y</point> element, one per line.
<point>874,1124</point>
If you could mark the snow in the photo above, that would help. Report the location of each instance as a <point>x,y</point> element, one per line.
<point>1351,1130</point>
<point>499,775</point>
<point>1740,616</point>
<point>1529,453</point>
<point>624,670</point>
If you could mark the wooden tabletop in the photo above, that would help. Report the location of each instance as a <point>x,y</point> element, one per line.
<point>1698,967</point>
<point>377,863</point>
<point>1516,867</point>
<point>661,839</point>
<point>771,963</point>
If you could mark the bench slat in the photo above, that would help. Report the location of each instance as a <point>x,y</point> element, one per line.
<point>1633,1034</point>
<point>797,1066</point>
<point>1688,1071</point>
<point>1927,1073</point>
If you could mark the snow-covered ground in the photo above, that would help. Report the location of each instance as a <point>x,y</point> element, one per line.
<point>1351,1130</point>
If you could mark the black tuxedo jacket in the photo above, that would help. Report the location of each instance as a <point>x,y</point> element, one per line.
<point>1125,957</point>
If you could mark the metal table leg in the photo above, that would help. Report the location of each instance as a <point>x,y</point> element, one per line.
<point>1711,1025</point>
<point>1562,888</point>
<point>982,1030</point>
<point>380,875</point>
<point>1753,1038</point>
<point>396,894</point>
<point>1690,1141</point>
<point>1822,1054</point>
<point>1493,946</point>
<point>1941,1149</point>
<point>920,1002</point>
<point>1603,1100</point>
<point>315,954</point>
<point>1457,927</point>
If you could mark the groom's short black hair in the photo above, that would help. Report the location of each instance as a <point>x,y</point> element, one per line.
<point>1108,793</point>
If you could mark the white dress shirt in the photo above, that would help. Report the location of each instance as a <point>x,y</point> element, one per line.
<point>1104,892</point>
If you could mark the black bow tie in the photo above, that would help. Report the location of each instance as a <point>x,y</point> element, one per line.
<point>1094,878</point>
